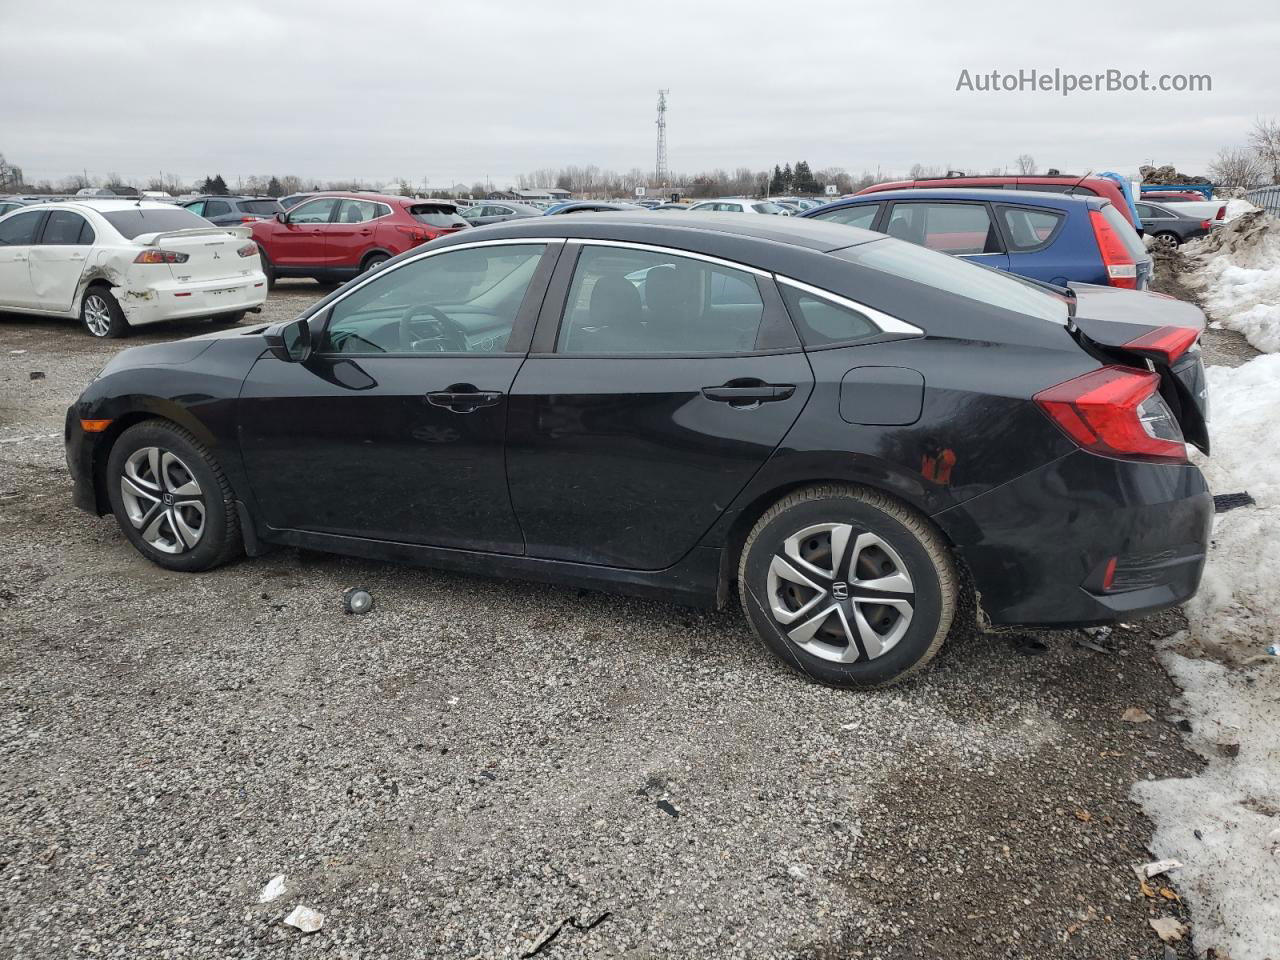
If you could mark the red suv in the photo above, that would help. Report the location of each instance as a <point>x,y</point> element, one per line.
<point>1046,183</point>
<point>335,236</point>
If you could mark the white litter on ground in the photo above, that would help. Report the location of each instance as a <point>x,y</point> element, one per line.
<point>305,919</point>
<point>1236,270</point>
<point>274,889</point>
<point>1231,871</point>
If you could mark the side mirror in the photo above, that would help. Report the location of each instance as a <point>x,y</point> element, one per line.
<point>290,342</point>
<point>282,217</point>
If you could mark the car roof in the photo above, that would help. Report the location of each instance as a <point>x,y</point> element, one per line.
<point>351,195</point>
<point>107,205</point>
<point>974,193</point>
<point>633,226</point>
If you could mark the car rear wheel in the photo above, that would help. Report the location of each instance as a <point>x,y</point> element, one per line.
<point>374,261</point>
<point>170,498</point>
<point>101,314</point>
<point>1167,240</point>
<point>848,586</point>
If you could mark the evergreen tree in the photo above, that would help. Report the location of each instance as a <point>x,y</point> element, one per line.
<point>788,178</point>
<point>775,182</point>
<point>218,186</point>
<point>274,189</point>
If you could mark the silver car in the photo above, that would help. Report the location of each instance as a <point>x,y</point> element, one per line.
<point>496,211</point>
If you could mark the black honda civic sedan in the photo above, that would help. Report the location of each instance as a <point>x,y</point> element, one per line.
<point>851,431</point>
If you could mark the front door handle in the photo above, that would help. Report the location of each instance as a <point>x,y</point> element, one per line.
<point>743,393</point>
<point>463,398</point>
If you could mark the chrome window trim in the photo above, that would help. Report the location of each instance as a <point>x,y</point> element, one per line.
<point>884,321</point>
<point>672,251</point>
<point>378,274</point>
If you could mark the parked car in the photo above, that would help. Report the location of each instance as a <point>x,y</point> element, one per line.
<point>1052,237</point>
<point>224,210</point>
<point>118,264</point>
<point>293,199</point>
<point>801,203</point>
<point>740,205</point>
<point>671,206</point>
<point>335,236</point>
<point>1168,226</point>
<point>496,211</point>
<point>591,206</point>
<point>95,192</point>
<point>1167,196</point>
<point>9,204</point>
<point>1214,211</point>
<point>1040,183</point>
<point>859,434</point>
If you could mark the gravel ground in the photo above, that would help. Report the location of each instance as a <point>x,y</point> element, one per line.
<point>460,771</point>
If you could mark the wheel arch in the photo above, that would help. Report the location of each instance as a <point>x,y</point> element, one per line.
<point>374,252</point>
<point>153,410</point>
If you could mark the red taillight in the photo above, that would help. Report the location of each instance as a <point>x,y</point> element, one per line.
<point>1206,224</point>
<point>1222,213</point>
<point>1104,411</point>
<point>251,219</point>
<point>1166,344</point>
<point>161,256</point>
<point>416,234</point>
<point>248,250</point>
<point>1122,269</point>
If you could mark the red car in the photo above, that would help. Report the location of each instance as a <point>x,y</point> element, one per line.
<point>1046,183</point>
<point>335,236</point>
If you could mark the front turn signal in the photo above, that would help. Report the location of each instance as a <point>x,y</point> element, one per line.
<point>94,426</point>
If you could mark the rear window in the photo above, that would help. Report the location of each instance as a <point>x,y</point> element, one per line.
<point>1132,242</point>
<point>1026,229</point>
<point>944,272</point>
<point>134,223</point>
<point>264,207</point>
<point>435,215</point>
<point>766,207</point>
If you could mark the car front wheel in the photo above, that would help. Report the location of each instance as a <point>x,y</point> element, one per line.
<point>847,585</point>
<point>170,498</point>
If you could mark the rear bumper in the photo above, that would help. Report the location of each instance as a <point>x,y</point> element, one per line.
<point>1039,547</point>
<point>176,301</point>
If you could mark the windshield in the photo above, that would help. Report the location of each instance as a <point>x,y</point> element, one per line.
<point>957,276</point>
<point>135,222</point>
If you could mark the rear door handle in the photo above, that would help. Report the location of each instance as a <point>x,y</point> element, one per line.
<point>463,398</point>
<point>744,394</point>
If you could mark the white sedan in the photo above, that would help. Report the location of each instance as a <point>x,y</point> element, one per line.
<point>741,205</point>
<point>117,264</point>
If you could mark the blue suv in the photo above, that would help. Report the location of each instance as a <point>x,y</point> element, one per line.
<point>1054,237</point>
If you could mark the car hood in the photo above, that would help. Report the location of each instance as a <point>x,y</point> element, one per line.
<point>177,352</point>
<point>1135,306</point>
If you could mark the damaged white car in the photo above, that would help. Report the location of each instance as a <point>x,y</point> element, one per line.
<point>117,264</point>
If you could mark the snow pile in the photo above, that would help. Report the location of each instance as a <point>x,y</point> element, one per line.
<point>1231,689</point>
<point>1236,270</point>
<point>1238,208</point>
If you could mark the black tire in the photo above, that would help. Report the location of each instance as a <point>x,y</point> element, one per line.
<point>373,261</point>
<point>101,316</point>
<point>268,270</point>
<point>219,538</point>
<point>229,319</point>
<point>898,536</point>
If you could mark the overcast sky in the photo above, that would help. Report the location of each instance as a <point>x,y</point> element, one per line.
<point>457,90</point>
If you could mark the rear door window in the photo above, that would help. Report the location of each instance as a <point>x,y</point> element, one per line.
<point>66,229</point>
<point>216,208</point>
<point>1026,229</point>
<point>626,302</point>
<point>265,208</point>
<point>359,211</point>
<point>861,215</point>
<point>20,229</point>
<point>954,228</point>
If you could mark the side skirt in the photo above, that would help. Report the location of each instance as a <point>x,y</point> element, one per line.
<point>691,582</point>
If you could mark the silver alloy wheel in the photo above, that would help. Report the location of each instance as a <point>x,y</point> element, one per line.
<point>97,315</point>
<point>163,500</point>
<point>840,594</point>
<point>1166,241</point>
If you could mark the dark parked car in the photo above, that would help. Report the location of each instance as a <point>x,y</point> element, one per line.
<point>227,210</point>
<point>1169,226</point>
<point>852,431</point>
<point>1045,236</point>
<point>293,199</point>
<point>497,211</point>
<point>591,206</point>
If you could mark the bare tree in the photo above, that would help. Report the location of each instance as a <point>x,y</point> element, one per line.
<point>1235,168</point>
<point>1265,140</point>
<point>10,175</point>
<point>1026,164</point>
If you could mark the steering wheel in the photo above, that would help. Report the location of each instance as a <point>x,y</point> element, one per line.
<point>436,333</point>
